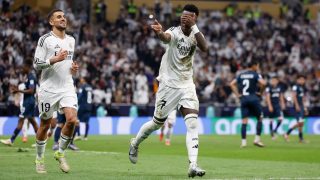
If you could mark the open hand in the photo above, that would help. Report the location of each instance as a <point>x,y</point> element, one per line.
<point>188,19</point>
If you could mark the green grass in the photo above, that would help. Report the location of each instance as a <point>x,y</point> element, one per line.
<point>106,157</point>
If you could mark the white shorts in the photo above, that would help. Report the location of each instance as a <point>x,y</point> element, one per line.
<point>172,117</point>
<point>169,99</point>
<point>49,102</point>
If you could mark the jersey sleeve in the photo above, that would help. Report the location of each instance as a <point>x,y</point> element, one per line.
<point>170,31</point>
<point>39,58</point>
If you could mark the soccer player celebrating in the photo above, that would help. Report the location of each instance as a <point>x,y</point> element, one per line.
<point>275,102</point>
<point>54,57</point>
<point>171,120</point>
<point>298,96</point>
<point>176,86</point>
<point>28,104</point>
<point>245,86</point>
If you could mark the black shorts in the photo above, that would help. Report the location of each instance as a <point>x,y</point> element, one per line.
<point>250,106</point>
<point>84,116</point>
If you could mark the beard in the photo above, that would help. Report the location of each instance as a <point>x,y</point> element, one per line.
<point>61,28</point>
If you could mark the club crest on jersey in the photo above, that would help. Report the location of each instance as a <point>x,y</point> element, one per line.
<point>57,47</point>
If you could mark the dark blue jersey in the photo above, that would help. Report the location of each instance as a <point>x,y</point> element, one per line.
<point>299,90</point>
<point>275,93</point>
<point>30,83</point>
<point>85,97</point>
<point>248,83</point>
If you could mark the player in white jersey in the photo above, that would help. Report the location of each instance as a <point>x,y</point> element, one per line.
<point>54,57</point>
<point>168,127</point>
<point>176,86</point>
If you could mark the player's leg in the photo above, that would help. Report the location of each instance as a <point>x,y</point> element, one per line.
<point>189,108</point>
<point>72,146</point>
<point>87,126</point>
<point>256,107</point>
<point>271,127</point>
<point>299,118</point>
<point>53,125</point>
<point>301,123</point>
<point>41,144</point>
<point>16,132</point>
<point>34,124</point>
<point>244,115</point>
<point>166,100</point>
<point>56,138</point>
<point>170,122</point>
<point>66,137</point>
<point>162,132</point>
<point>279,121</point>
<point>25,128</point>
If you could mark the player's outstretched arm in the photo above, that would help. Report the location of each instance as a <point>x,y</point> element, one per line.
<point>157,28</point>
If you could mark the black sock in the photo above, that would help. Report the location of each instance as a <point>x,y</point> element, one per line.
<point>57,134</point>
<point>15,134</point>
<point>300,136</point>
<point>259,128</point>
<point>244,131</point>
<point>87,130</point>
<point>77,130</point>
<point>278,124</point>
<point>271,128</point>
<point>289,131</point>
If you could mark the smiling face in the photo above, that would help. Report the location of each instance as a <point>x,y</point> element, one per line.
<point>58,21</point>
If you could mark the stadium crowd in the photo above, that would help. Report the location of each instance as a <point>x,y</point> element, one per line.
<point>121,59</point>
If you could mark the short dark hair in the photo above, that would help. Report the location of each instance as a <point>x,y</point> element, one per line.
<point>252,62</point>
<point>301,76</point>
<point>52,12</point>
<point>191,8</point>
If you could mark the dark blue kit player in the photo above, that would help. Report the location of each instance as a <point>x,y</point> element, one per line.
<point>246,86</point>
<point>275,104</point>
<point>27,107</point>
<point>85,105</point>
<point>298,96</point>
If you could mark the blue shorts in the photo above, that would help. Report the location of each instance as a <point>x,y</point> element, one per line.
<point>251,107</point>
<point>61,118</point>
<point>276,113</point>
<point>84,116</point>
<point>27,110</point>
<point>300,115</point>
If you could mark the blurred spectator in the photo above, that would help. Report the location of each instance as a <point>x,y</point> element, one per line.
<point>100,10</point>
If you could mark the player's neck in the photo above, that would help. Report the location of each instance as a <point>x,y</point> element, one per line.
<point>186,32</point>
<point>58,33</point>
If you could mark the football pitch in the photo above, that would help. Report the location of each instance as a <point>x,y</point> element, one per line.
<point>106,157</point>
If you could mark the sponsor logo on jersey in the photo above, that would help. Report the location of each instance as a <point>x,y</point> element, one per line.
<point>57,47</point>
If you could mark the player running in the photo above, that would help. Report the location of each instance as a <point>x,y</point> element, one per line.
<point>275,103</point>
<point>245,86</point>
<point>54,57</point>
<point>298,96</point>
<point>171,120</point>
<point>28,103</point>
<point>176,86</point>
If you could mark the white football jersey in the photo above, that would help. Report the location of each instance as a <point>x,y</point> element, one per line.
<point>176,65</point>
<point>55,78</point>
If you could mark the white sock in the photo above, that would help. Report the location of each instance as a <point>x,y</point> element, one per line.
<point>25,128</point>
<point>146,129</point>
<point>257,138</point>
<point>169,132</point>
<point>40,148</point>
<point>64,143</point>
<point>244,142</point>
<point>192,139</point>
